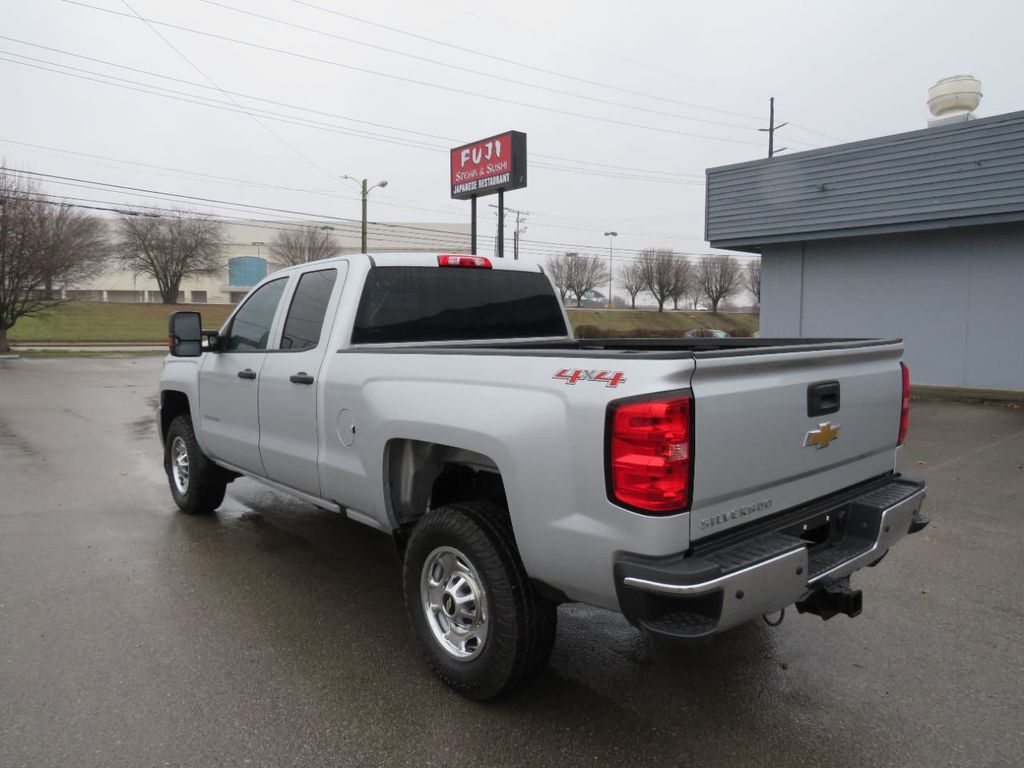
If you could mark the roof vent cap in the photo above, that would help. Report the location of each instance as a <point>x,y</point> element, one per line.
<point>954,99</point>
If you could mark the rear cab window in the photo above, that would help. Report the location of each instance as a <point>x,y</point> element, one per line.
<point>305,320</point>
<point>418,304</point>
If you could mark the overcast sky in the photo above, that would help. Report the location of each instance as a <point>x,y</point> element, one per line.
<point>624,104</point>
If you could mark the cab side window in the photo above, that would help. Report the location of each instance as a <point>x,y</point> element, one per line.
<point>305,319</point>
<point>250,328</point>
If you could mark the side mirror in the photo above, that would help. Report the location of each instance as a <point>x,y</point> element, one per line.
<point>185,334</point>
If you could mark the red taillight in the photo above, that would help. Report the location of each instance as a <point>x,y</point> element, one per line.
<point>651,446</point>
<point>905,407</point>
<point>456,260</point>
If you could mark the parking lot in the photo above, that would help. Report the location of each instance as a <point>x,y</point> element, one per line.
<point>273,634</point>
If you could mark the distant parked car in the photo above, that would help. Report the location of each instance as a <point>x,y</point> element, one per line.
<point>705,333</point>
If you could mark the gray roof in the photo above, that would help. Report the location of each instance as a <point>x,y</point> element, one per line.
<point>952,175</point>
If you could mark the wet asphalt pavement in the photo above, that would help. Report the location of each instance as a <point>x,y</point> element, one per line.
<point>274,634</point>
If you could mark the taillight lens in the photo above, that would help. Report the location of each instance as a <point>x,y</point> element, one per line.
<point>905,407</point>
<point>651,447</point>
<point>458,260</point>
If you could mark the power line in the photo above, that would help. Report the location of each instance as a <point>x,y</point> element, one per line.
<point>210,80</point>
<point>468,70</point>
<point>304,122</point>
<point>439,242</point>
<point>335,115</point>
<point>399,231</point>
<point>156,90</point>
<point>413,81</point>
<point>196,175</point>
<point>516,63</point>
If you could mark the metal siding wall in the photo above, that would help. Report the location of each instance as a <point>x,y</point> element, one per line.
<point>912,287</point>
<point>954,298</point>
<point>934,175</point>
<point>781,288</point>
<point>995,330</point>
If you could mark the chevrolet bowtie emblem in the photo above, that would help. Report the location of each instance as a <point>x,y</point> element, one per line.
<point>822,436</point>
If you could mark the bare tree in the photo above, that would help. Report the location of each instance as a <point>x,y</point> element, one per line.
<point>718,277</point>
<point>76,245</point>
<point>663,272</point>
<point>37,249</point>
<point>298,246</point>
<point>685,281</point>
<point>631,278</point>
<point>584,274</point>
<point>170,247</point>
<point>558,268</point>
<point>753,279</point>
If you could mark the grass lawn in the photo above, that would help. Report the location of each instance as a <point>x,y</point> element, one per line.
<point>96,321</point>
<point>643,322</point>
<point>49,354</point>
<point>99,322</point>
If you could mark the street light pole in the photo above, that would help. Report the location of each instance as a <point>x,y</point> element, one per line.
<point>365,193</point>
<point>610,235</point>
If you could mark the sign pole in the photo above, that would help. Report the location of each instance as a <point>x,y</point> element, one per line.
<point>501,224</point>
<point>472,227</point>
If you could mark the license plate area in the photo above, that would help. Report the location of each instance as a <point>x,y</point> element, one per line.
<point>823,528</point>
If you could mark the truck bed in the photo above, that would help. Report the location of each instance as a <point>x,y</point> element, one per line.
<point>651,348</point>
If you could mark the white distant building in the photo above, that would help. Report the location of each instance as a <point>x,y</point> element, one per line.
<point>247,259</point>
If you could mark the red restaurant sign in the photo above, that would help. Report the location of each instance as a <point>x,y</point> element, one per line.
<point>488,166</point>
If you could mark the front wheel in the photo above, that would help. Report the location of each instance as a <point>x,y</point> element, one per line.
<point>477,617</point>
<point>197,484</point>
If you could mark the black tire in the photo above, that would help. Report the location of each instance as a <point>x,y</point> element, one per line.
<point>206,482</point>
<point>520,623</point>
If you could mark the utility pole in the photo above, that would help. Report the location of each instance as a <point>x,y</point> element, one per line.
<point>772,127</point>
<point>610,235</point>
<point>365,191</point>
<point>520,228</point>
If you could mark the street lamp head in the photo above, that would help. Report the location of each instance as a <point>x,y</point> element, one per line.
<point>611,234</point>
<point>382,184</point>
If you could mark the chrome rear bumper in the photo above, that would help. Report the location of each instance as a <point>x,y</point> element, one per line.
<point>694,596</point>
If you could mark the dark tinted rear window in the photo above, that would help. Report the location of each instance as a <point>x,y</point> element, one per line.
<point>403,304</point>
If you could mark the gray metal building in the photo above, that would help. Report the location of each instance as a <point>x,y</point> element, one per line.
<point>918,235</point>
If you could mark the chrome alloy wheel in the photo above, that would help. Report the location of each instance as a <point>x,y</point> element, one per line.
<point>179,465</point>
<point>454,602</point>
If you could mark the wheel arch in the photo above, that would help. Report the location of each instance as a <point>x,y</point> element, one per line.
<point>420,476</point>
<point>173,403</point>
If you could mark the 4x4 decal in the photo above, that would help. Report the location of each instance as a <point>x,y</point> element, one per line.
<point>608,378</point>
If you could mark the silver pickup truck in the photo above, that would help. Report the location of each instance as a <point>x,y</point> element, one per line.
<point>691,484</point>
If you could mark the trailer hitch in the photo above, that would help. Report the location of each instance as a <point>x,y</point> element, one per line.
<point>833,599</point>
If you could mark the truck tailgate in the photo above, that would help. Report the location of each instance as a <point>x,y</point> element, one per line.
<point>758,450</point>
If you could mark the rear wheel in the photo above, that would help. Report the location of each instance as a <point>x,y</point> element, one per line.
<point>477,617</point>
<point>197,484</point>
